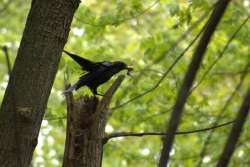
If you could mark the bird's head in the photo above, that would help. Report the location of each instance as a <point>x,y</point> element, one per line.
<point>122,66</point>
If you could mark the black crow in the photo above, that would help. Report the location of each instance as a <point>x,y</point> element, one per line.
<point>97,72</point>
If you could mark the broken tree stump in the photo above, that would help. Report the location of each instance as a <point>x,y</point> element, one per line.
<point>86,121</point>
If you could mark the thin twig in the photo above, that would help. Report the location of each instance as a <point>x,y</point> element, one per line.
<point>131,134</point>
<point>163,76</point>
<point>6,53</point>
<point>231,73</point>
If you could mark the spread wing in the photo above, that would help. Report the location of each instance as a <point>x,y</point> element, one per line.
<point>86,65</point>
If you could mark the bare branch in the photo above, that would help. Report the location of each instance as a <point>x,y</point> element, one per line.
<point>130,134</point>
<point>224,108</point>
<point>162,77</point>
<point>235,132</point>
<point>231,73</point>
<point>108,95</point>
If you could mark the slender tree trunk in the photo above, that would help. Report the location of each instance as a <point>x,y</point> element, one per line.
<point>235,132</point>
<point>205,146</point>
<point>31,79</point>
<point>86,120</point>
<point>188,80</point>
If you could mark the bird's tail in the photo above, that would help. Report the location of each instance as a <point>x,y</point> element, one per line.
<point>67,52</point>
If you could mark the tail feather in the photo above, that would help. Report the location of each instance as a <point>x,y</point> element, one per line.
<point>86,64</point>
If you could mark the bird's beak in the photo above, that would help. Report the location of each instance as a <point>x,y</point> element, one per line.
<point>129,68</point>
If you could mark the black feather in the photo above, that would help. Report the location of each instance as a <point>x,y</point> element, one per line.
<point>86,65</point>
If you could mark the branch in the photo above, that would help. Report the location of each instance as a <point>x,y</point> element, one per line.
<point>130,134</point>
<point>188,80</point>
<point>6,53</point>
<point>224,108</point>
<point>162,77</point>
<point>235,131</point>
<point>109,94</point>
<point>231,73</point>
<point>172,48</point>
<point>203,150</point>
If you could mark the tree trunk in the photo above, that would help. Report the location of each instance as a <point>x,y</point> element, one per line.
<point>26,96</point>
<point>189,79</point>
<point>235,132</point>
<point>86,120</point>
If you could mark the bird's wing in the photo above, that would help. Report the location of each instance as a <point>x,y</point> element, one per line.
<point>105,63</point>
<point>86,65</point>
<point>83,80</point>
<point>90,77</point>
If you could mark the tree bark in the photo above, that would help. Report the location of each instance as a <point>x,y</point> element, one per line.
<point>31,79</point>
<point>188,80</point>
<point>86,121</point>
